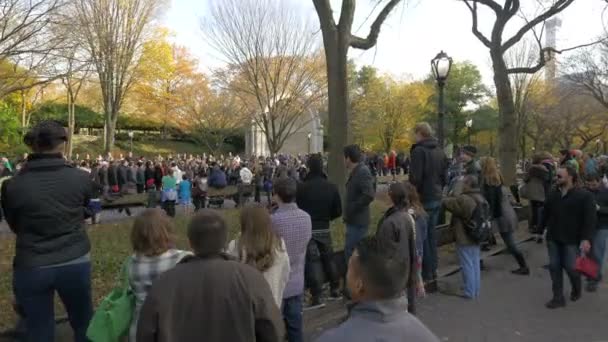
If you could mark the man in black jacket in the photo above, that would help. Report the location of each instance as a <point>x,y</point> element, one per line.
<point>45,207</point>
<point>428,173</point>
<point>321,200</point>
<point>600,239</point>
<point>359,195</point>
<point>570,217</point>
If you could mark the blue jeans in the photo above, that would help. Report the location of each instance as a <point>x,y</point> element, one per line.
<point>563,257</point>
<point>470,257</point>
<point>292,315</point>
<point>598,249</point>
<point>429,256</point>
<point>35,289</point>
<point>354,234</point>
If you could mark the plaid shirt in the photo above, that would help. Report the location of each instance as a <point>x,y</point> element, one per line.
<point>143,271</point>
<point>294,226</point>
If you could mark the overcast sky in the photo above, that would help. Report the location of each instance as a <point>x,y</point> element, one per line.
<point>411,37</point>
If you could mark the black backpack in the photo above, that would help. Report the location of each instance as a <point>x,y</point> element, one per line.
<point>479,226</point>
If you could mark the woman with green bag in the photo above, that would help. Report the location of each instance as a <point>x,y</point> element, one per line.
<point>153,254</point>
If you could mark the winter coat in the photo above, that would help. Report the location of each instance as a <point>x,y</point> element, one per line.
<point>462,208</point>
<point>320,199</point>
<point>359,195</point>
<point>428,170</point>
<point>45,206</point>
<point>396,228</point>
<point>571,218</point>
<point>213,299</point>
<point>534,183</point>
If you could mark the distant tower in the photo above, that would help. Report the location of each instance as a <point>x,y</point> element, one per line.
<point>552,27</point>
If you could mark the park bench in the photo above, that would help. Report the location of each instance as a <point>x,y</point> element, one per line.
<point>240,192</point>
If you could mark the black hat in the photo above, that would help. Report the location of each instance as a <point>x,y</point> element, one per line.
<point>46,135</point>
<point>470,150</point>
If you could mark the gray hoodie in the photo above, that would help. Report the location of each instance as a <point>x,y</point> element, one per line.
<point>385,321</point>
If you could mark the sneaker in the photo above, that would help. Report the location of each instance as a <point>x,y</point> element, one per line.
<point>334,295</point>
<point>521,271</point>
<point>591,287</point>
<point>431,287</point>
<point>315,304</point>
<point>556,303</point>
<point>575,295</point>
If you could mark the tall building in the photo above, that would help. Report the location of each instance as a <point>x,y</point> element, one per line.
<point>308,138</point>
<point>552,27</point>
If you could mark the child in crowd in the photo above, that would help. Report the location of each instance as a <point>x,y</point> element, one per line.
<point>185,194</point>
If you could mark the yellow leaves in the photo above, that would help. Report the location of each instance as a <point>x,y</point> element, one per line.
<point>385,114</point>
<point>164,72</point>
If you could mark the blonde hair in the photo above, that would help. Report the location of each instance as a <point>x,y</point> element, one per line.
<point>258,243</point>
<point>424,129</point>
<point>490,173</point>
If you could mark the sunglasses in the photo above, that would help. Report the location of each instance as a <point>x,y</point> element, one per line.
<point>559,177</point>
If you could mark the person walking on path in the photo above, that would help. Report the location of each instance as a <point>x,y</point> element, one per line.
<point>376,277</point>
<point>294,226</point>
<point>45,206</point>
<point>536,188</point>
<point>359,195</point>
<point>321,200</point>
<point>463,208</point>
<point>428,173</point>
<point>570,218</point>
<point>501,209</point>
<point>600,239</point>
<point>210,296</point>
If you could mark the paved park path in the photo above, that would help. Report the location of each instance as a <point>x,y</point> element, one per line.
<point>511,308</point>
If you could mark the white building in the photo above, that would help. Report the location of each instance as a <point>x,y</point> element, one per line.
<point>307,139</point>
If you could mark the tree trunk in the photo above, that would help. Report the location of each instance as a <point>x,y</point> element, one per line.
<point>336,49</point>
<point>71,124</point>
<point>23,113</point>
<point>507,119</point>
<point>109,133</point>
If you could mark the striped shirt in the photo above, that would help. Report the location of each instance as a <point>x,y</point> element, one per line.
<point>143,271</point>
<point>295,228</point>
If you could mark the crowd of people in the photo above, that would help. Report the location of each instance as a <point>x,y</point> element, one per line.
<point>252,288</point>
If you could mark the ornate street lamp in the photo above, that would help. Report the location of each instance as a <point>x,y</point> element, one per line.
<point>441,66</point>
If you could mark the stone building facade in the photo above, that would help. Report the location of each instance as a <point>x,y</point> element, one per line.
<point>307,139</point>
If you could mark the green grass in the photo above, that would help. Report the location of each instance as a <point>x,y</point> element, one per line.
<point>93,146</point>
<point>110,247</point>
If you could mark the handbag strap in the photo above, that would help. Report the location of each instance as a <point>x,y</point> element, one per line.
<point>124,274</point>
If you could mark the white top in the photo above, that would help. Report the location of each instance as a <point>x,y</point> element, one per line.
<point>277,275</point>
<point>246,175</point>
<point>177,174</point>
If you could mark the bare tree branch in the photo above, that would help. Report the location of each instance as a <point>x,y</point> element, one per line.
<point>556,8</point>
<point>374,32</point>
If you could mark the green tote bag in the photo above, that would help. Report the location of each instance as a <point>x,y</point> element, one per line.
<point>113,317</point>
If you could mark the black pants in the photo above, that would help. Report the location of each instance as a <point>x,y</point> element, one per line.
<point>140,188</point>
<point>257,197</point>
<point>536,217</point>
<point>319,264</point>
<point>513,249</point>
<point>199,202</point>
<point>169,207</point>
<point>562,257</point>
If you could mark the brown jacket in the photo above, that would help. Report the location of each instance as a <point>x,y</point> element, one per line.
<point>396,227</point>
<point>462,208</point>
<point>214,299</point>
